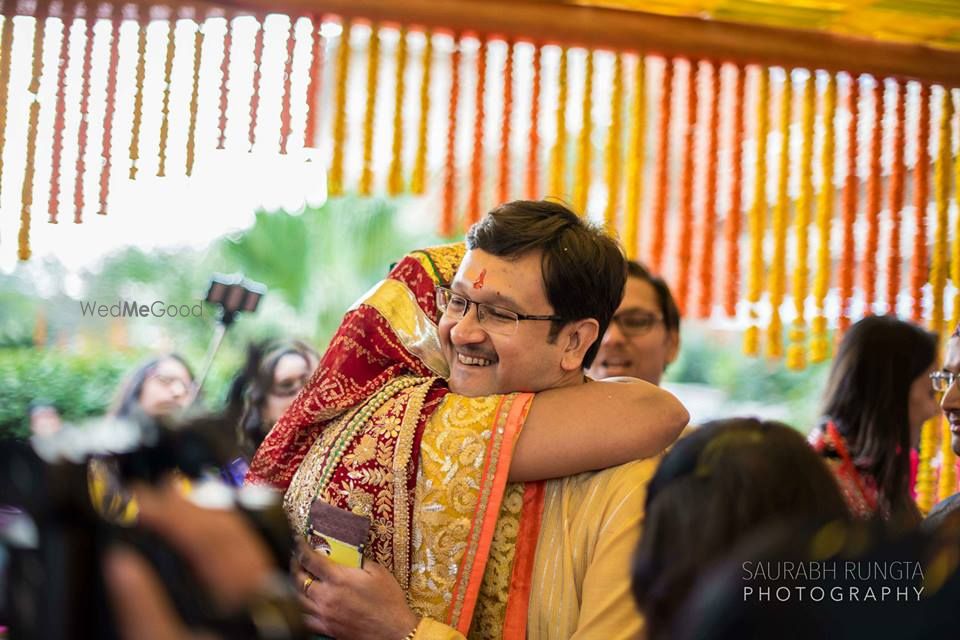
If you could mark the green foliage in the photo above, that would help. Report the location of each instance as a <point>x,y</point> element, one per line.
<point>715,358</point>
<point>80,386</point>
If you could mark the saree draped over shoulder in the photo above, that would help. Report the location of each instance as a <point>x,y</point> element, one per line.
<point>376,431</point>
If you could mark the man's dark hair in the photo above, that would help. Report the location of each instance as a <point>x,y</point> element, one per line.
<point>583,269</point>
<point>668,306</point>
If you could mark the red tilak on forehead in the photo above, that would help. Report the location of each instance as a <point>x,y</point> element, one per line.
<point>478,283</point>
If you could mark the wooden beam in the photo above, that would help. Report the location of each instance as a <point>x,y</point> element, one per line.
<point>617,29</point>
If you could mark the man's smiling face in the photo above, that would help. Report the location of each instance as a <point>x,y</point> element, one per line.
<point>484,362</point>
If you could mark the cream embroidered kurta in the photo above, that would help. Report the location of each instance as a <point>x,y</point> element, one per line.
<point>581,576</point>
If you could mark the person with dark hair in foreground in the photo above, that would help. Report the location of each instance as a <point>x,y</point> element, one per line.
<point>413,425</point>
<point>644,336</point>
<point>712,489</point>
<point>878,396</point>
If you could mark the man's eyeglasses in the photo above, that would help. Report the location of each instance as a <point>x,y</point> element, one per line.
<point>943,380</point>
<point>170,381</point>
<point>497,320</point>
<point>636,323</point>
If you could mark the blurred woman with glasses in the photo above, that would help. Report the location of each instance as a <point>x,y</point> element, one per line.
<point>272,377</point>
<point>878,396</point>
<point>159,388</point>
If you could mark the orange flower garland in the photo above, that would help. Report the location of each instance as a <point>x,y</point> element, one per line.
<point>708,228</point>
<point>635,153</point>
<point>476,163</point>
<point>314,85</point>
<point>732,229</point>
<point>224,79</point>
<point>685,242</point>
<point>90,20</point>
<point>661,176</point>
<point>868,271</point>
<point>850,187</point>
<point>59,121</point>
<point>918,270</point>
<point>285,126</point>
<point>533,145</point>
<point>897,171</point>
<point>450,175</point>
<point>503,187</point>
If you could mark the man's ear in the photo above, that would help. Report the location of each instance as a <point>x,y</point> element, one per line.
<point>673,347</point>
<point>577,338</point>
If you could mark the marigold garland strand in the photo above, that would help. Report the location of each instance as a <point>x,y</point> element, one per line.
<point>661,175</point>
<point>116,21</point>
<point>395,175</point>
<point>143,22</point>
<point>614,135</point>
<point>476,161</point>
<point>955,258</point>
<point>533,145</point>
<point>581,178</point>
<point>924,484</point>
<point>868,265</point>
<point>285,127</point>
<point>781,217</point>
<point>918,269</point>
<point>558,157</point>
<point>257,75</point>
<point>450,171</point>
<point>419,178</point>
<point>896,195</point>
<point>167,84</point>
<point>796,352</point>
<point>685,241</point>
<point>850,186</point>
<point>939,259</point>
<point>758,213</point>
<point>335,178</point>
<point>26,194</point>
<point>708,227</point>
<point>503,186</point>
<point>224,80</point>
<point>90,20</point>
<point>819,345</point>
<point>59,119</point>
<point>194,97</point>
<point>948,461</point>
<point>6,49</point>
<point>314,83</point>
<point>735,214</point>
<point>370,110</point>
<point>635,154</point>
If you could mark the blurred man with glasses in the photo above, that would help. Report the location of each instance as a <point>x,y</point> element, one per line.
<point>644,336</point>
